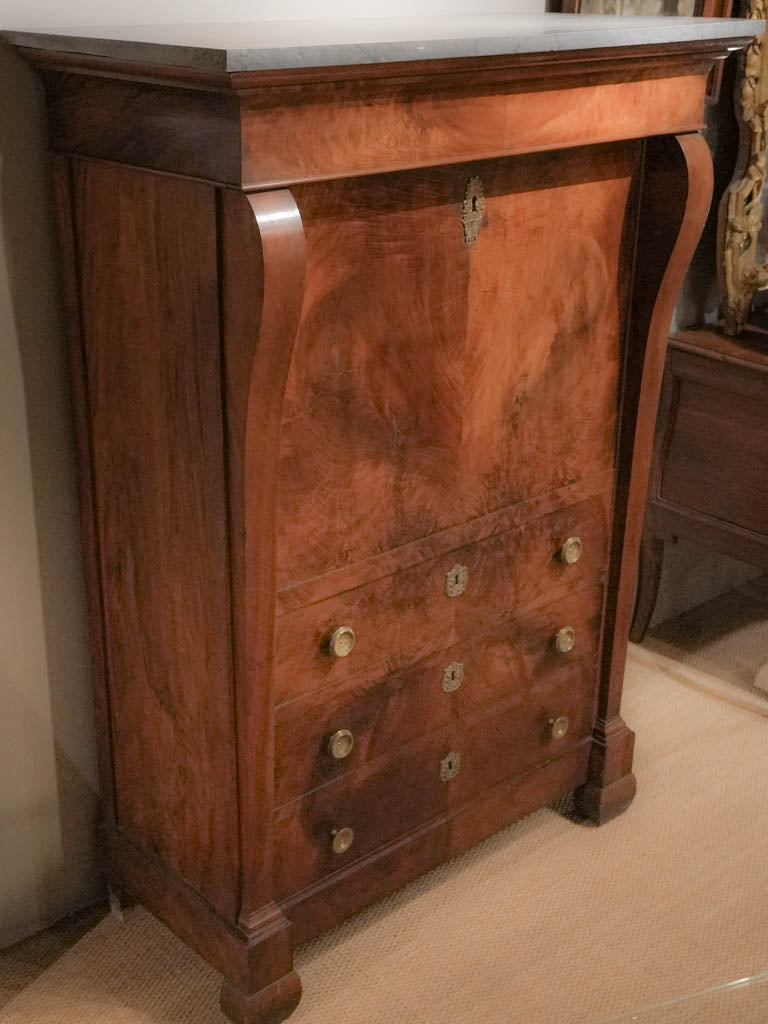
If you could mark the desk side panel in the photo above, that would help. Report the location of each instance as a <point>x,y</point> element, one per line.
<point>147,269</point>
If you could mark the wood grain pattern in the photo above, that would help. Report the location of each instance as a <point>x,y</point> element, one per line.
<point>337,895</point>
<point>677,189</point>
<point>719,453</point>
<point>128,123</point>
<point>296,407</point>
<point>247,961</point>
<point>515,653</point>
<point>425,548</point>
<point>403,129</point>
<point>262,280</point>
<point>405,616</point>
<point>65,215</point>
<point>398,792</point>
<point>148,281</point>
<point>415,401</point>
<point>240,129</point>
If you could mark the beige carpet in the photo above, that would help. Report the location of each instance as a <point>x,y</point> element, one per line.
<point>550,922</point>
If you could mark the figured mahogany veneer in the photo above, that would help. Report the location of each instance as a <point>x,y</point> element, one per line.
<point>411,404</point>
<point>386,709</point>
<point>299,407</point>
<point>408,614</point>
<point>396,793</point>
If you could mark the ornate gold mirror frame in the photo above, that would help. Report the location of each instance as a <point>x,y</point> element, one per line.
<point>741,211</point>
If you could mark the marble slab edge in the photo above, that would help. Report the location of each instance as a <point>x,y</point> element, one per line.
<point>667,30</point>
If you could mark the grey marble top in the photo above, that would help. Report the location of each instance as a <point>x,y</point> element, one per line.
<point>273,45</point>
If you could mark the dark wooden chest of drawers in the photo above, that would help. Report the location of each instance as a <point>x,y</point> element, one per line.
<point>365,363</point>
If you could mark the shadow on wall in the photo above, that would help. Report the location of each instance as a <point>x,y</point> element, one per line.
<point>71,879</point>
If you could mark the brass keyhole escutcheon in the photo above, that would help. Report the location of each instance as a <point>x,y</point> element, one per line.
<point>570,552</point>
<point>453,676</point>
<point>342,641</point>
<point>342,839</point>
<point>456,580</point>
<point>473,210</point>
<point>565,640</point>
<point>558,727</point>
<point>340,744</point>
<point>449,766</point>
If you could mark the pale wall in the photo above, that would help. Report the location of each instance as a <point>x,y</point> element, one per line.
<point>48,776</point>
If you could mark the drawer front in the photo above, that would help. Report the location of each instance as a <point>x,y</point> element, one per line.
<point>410,614</point>
<point>428,778</point>
<point>717,459</point>
<point>379,715</point>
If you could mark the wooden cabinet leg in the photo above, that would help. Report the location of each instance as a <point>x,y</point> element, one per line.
<point>268,1006</point>
<point>261,986</point>
<point>648,580</point>
<point>610,767</point>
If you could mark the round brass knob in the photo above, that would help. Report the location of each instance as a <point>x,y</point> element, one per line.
<point>340,744</point>
<point>565,640</point>
<point>342,641</point>
<point>558,727</point>
<point>342,839</point>
<point>570,552</point>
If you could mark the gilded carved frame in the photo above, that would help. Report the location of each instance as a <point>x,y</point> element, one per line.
<point>741,211</point>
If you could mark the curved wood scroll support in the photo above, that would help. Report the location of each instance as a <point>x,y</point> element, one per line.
<point>676,193</point>
<point>263,268</point>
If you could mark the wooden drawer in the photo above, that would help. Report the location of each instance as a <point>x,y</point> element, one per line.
<point>409,613</point>
<point>716,461</point>
<point>396,793</point>
<point>383,714</point>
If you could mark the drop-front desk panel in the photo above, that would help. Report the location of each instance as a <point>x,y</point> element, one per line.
<point>365,358</point>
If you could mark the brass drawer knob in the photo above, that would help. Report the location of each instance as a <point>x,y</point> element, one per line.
<point>340,744</point>
<point>342,641</point>
<point>570,552</point>
<point>565,640</point>
<point>342,839</point>
<point>558,727</point>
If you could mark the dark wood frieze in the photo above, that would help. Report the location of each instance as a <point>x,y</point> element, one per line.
<point>241,128</point>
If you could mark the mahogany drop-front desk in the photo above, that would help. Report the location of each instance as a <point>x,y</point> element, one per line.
<point>367,335</point>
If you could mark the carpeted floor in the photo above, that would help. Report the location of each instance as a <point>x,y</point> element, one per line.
<point>549,922</point>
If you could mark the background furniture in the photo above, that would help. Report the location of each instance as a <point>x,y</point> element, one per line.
<point>741,247</point>
<point>366,352</point>
<point>709,479</point>
<point>708,482</point>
